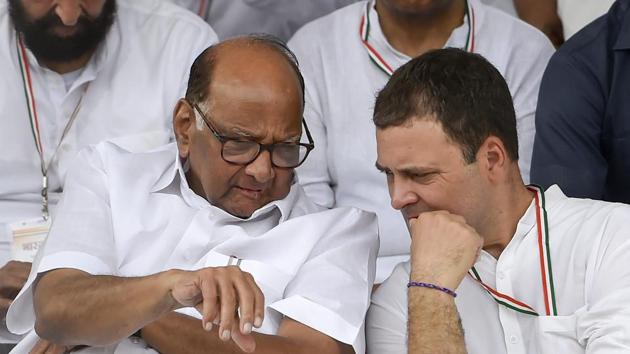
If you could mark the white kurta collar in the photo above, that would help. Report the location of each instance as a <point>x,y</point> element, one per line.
<point>175,175</point>
<point>396,59</point>
<point>553,196</point>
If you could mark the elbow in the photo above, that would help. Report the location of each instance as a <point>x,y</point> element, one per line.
<point>54,328</point>
<point>49,325</point>
<point>47,332</point>
<point>49,322</point>
<point>55,314</point>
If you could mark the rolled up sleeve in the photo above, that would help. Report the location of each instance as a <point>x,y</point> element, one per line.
<point>331,291</point>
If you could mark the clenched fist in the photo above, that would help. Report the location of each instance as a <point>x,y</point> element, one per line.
<point>443,248</point>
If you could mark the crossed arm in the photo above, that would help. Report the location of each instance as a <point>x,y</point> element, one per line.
<point>180,334</point>
<point>76,308</point>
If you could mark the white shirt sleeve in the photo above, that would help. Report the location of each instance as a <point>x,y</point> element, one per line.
<point>523,75</point>
<point>605,325</point>
<point>81,236</point>
<point>386,323</point>
<point>331,291</point>
<point>314,174</point>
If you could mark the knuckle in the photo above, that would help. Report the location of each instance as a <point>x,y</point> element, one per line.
<point>206,272</point>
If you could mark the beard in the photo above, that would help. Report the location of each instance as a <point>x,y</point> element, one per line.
<point>40,37</point>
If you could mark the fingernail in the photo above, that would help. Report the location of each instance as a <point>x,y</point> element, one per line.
<point>208,326</point>
<point>225,335</point>
<point>247,328</point>
<point>257,322</point>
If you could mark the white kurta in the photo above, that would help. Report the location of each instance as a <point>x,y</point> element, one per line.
<point>341,86</point>
<point>129,214</point>
<point>505,5</point>
<point>589,245</point>
<point>135,78</point>
<point>575,14</point>
<point>280,18</point>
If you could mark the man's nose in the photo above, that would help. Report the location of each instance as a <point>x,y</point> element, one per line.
<point>68,11</point>
<point>261,168</point>
<point>401,194</point>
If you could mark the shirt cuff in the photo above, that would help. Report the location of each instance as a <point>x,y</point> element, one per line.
<point>7,337</point>
<point>317,317</point>
<point>190,312</point>
<point>75,260</point>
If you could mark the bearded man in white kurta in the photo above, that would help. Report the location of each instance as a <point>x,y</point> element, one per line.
<point>214,226</point>
<point>496,266</point>
<point>75,73</point>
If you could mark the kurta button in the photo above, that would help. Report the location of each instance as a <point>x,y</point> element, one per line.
<point>501,275</point>
<point>513,339</point>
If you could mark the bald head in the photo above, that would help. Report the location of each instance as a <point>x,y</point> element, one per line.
<point>254,57</point>
<point>248,90</point>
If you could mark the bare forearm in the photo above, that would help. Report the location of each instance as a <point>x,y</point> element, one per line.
<point>434,325</point>
<point>179,334</point>
<point>73,307</point>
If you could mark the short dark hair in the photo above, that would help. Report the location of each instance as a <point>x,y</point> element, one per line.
<point>201,70</point>
<point>464,92</point>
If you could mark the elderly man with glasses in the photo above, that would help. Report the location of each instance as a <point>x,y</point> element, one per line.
<point>209,244</point>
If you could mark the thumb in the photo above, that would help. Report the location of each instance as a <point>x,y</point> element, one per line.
<point>187,294</point>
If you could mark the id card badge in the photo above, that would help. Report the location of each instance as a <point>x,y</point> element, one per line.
<point>28,236</point>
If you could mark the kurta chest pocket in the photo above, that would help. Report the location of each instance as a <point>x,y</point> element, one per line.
<point>558,335</point>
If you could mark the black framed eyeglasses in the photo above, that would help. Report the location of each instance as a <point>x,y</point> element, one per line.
<point>243,152</point>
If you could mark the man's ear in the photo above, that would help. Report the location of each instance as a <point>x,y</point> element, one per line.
<point>493,159</point>
<point>183,126</point>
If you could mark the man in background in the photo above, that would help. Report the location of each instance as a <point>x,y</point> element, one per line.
<point>349,55</point>
<point>280,18</point>
<point>583,116</point>
<point>75,73</point>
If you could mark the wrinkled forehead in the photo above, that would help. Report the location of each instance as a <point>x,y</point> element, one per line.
<point>421,142</point>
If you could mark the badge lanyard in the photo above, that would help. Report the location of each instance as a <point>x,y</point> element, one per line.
<point>544,255</point>
<point>34,121</point>
<point>375,56</point>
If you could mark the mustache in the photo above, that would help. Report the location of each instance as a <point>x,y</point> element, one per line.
<point>40,37</point>
<point>51,20</point>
